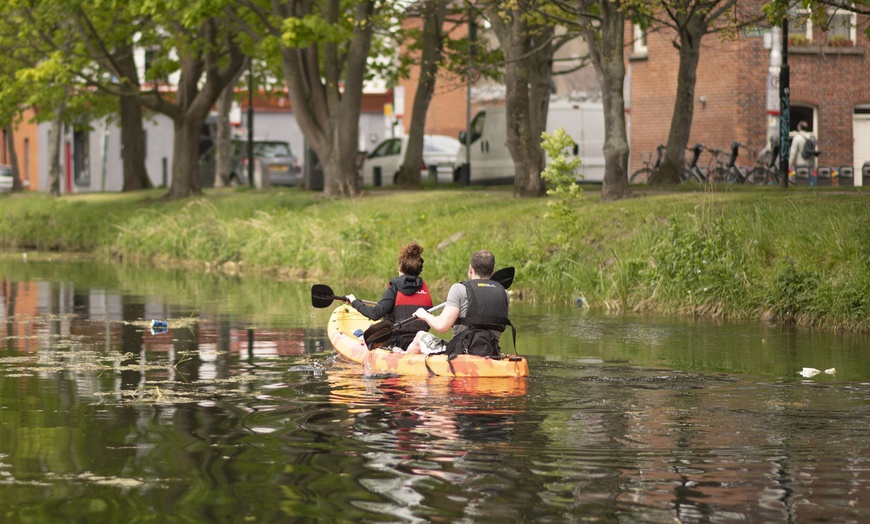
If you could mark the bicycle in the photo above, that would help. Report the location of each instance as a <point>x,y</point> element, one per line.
<point>642,175</point>
<point>691,172</point>
<point>767,172</point>
<point>730,173</point>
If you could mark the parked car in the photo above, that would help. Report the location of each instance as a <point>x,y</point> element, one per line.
<point>271,156</point>
<point>6,179</point>
<point>381,166</point>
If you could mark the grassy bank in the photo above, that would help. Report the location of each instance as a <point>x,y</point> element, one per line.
<point>798,256</point>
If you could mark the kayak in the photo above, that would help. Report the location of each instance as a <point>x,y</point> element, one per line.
<point>346,320</point>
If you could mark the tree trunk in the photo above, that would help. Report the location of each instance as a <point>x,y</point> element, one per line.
<point>606,48</point>
<point>692,31</point>
<point>132,134</point>
<point>433,41</point>
<point>529,55</point>
<point>133,145</point>
<point>223,158</point>
<point>13,159</point>
<point>204,75</point>
<point>540,68</point>
<point>185,158</point>
<point>327,114</point>
<point>55,135</point>
<point>223,147</point>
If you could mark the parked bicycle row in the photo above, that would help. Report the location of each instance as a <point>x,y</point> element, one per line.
<point>722,167</point>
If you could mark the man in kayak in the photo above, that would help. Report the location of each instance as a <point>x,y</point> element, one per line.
<point>476,309</point>
<point>404,295</point>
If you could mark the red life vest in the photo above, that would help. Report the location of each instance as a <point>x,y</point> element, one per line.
<point>405,305</point>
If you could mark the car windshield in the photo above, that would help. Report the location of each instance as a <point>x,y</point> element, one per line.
<point>262,149</point>
<point>440,144</point>
<point>271,149</point>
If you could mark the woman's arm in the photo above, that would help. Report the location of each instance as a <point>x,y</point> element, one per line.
<point>384,306</point>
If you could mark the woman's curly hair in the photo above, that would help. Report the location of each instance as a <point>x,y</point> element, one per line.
<point>410,261</point>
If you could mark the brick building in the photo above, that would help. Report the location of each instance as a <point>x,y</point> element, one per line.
<point>447,113</point>
<point>830,89</point>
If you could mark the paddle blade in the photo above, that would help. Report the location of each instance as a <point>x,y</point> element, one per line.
<point>322,296</point>
<point>504,276</point>
<point>378,334</point>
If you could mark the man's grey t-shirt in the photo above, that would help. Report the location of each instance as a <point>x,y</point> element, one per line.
<point>458,298</point>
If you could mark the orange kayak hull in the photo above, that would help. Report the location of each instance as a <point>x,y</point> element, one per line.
<point>345,320</point>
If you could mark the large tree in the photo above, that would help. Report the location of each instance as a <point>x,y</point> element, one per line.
<point>429,43</point>
<point>323,48</point>
<point>526,39</point>
<point>87,48</point>
<point>198,42</point>
<point>83,33</point>
<point>602,24</point>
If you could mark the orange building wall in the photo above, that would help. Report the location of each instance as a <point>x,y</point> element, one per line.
<point>26,139</point>
<point>447,109</point>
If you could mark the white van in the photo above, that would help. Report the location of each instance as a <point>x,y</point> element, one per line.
<point>491,162</point>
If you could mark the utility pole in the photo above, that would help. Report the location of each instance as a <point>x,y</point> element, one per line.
<point>773,87</point>
<point>251,123</point>
<point>784,109</point>
<point>472,36</point>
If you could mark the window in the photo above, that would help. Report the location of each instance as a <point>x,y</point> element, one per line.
<point>640,40</point>
<point>477,126</point>
<point>800,27</point>
<point>798,113</point>
<point>387,148</point>
<point>81,158</point>
<point>841,28</point>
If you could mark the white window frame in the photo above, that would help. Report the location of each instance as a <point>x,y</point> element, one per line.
<point>794,13</point>
<point>640,47</point>
<point>853,22</point>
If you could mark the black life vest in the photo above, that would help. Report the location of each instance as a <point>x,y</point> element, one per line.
<point>487,312</point>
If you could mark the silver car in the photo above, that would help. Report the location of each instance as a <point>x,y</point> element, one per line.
<point>272,156</point>
<point>6,179</point>
<point>381,166</point>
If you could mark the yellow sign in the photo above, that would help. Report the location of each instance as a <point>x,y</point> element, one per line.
<point>388,109</point>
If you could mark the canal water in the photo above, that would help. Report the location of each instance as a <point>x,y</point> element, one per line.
<point>239,411</point>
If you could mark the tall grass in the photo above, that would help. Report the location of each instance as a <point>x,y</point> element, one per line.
<point>797,256</point>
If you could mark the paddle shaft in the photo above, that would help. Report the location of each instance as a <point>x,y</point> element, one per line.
<point>322,296</point>
<point>344,299</point>
<point>411,319</point>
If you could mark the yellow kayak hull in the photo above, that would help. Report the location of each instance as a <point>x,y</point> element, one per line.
<point>345,320</point>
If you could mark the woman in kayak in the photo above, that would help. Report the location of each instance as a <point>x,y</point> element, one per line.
<point>405,294</point>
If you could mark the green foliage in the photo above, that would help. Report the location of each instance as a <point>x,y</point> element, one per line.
<point>561,176</point>
<point>793,289</point>
<point>313,29</point>
<point>700,265</point>
<point>800,257</point>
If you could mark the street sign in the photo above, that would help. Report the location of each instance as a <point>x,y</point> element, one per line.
<point>772,94</point>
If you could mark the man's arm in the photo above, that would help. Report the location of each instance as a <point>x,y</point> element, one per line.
<point>442,322</point>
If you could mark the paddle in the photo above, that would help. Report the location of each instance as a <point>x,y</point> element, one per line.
<point>322,296</point>
<point>378,334</point>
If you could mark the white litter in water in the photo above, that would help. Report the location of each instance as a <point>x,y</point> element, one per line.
<point>811,372</point>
